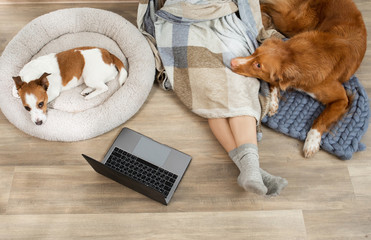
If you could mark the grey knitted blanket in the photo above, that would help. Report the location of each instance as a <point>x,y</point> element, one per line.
<point>297,111</point>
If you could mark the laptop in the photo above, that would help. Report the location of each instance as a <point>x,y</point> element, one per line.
<point>144,165</point>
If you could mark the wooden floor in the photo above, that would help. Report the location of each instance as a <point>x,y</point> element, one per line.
<point>47,190</point>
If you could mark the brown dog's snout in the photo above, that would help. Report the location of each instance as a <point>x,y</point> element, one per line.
<point>235,62</point>
<point>239,62</point>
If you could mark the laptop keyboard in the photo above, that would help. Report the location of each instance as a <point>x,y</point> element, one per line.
<point>141,171</point>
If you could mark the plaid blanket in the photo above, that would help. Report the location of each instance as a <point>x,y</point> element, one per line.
<point>194,41</point>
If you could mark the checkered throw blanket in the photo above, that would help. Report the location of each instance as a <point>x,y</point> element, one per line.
<point>195,41</point>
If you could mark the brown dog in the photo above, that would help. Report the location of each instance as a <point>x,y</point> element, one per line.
<point>327,44</point>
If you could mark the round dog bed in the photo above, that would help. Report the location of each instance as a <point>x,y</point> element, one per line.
<point>70,117</point>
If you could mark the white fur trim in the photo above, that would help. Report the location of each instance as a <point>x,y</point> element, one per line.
<point>274,102</point>
<point>37,114</point>
<point>312,143</point>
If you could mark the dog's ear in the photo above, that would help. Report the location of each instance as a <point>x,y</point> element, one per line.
<point>276,76</point>
<point>43,81</point>
<point>277,79</point>
<point>280,79</point>
<point>284,77</point>
<point>18,82</point>
<point>290,74</point>
<point>275,70</point>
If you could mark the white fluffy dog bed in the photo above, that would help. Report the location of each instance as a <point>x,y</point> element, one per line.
<point>70,117</point>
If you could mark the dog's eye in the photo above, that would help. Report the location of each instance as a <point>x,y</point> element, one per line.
<point>41,104</point>
<point>27,108</point>
<point>257,65</point>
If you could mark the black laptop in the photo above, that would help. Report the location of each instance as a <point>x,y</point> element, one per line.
<point>144,165</point>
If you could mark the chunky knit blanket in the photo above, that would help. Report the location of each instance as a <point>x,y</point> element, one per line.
<point>297,111</point>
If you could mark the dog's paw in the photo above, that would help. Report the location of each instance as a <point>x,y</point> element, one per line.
<point>312,143</point>
<point>88,96</point>
<point>273,108</point>
<point>86,91</point>
<point>15,92</point>
<point>274,102</point>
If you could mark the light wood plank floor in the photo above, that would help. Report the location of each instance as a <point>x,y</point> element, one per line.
<point>47,191</point>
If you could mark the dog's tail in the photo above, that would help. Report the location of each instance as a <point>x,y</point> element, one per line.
<point>123,74</point>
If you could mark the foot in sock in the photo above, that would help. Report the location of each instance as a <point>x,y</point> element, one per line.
<point>247,160</point>
<point>275,184</point>
<point>250,178</point>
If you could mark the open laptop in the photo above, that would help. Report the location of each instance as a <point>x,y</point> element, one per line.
<point>144,165</point>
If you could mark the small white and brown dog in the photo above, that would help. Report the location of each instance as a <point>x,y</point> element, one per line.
<point>42,80</point>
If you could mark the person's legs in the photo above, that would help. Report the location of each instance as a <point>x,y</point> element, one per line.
<point>243,129</point>
<point>221,129</point>
<point>246,156</point>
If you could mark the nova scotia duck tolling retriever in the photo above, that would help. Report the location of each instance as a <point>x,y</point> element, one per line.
<point>327,42</point>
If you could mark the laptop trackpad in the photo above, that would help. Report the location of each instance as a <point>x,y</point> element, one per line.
<point>151,151</point>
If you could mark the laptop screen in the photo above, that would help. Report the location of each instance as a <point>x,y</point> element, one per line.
<point>151,151</point>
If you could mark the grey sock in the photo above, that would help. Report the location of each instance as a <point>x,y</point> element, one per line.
<point>275,184</point>
<point>246,158</point>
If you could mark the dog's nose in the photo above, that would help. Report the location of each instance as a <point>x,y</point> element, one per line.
<point>234,63</point>
<point>39,122</point>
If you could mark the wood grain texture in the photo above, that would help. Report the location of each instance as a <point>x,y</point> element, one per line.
<point>182,225</point>
<point>6,179</point>
<point>47,190</point>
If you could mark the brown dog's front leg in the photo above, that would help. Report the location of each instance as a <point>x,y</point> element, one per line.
<point>332,113</point>
<point>274,100</point>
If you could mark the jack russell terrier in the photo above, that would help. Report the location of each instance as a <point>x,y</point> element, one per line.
<point>43,79</point>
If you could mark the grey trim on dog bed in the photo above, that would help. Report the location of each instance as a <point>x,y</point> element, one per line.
<point>111,110</point>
